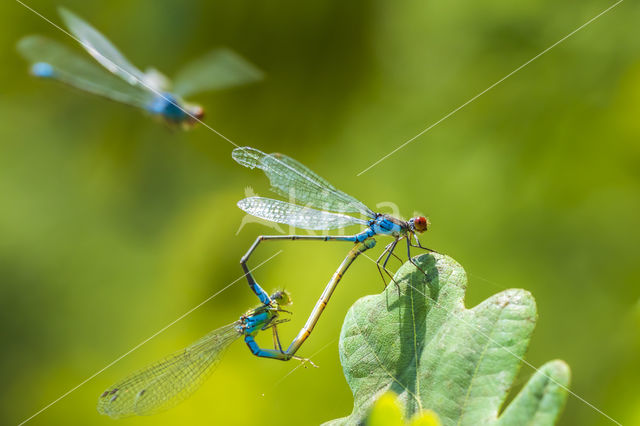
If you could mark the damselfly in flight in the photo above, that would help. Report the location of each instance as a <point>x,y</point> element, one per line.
<point>323,209</point>
<point>164,384</point>
<point>121,81</point>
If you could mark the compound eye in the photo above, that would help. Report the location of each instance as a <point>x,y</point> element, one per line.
<point>420,223</point>
<point>198,112</point>
<point>282,297</point>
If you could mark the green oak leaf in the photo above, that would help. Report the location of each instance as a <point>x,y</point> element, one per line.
<point>418,340</point>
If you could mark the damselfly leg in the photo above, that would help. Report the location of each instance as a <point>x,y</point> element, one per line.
<point>420,246</point>
<point>409,245</point>
<point>388,251</point>
<point>276,340</point>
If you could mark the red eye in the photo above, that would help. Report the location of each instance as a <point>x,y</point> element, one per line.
<point>199,113</point>
<point>420,223</point>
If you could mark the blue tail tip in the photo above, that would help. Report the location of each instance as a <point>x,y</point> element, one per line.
<point>42,69</point>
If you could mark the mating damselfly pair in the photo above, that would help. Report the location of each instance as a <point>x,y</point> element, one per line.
<point>164,384</point>
<point>315,205</point>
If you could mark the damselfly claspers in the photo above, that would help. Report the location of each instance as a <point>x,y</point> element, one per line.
<point>123,82</point>
<point>323,209</point>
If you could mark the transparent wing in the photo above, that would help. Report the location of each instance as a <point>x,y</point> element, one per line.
<point>65,65</point>
<point>101,48</point>
<point>291,214</point>
<point>290,178</point>
<point>218,69</point>
<point>157,80</point>
<point>170,381</point>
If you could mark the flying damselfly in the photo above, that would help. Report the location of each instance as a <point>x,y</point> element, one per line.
<point>119,80</point>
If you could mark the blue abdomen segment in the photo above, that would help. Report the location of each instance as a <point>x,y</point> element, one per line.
<point>265,353</point>
<point>42,70</point>
<point>364,235</point>
<point>167,106</point>
<point>262,295</point>
<point>253,346</point>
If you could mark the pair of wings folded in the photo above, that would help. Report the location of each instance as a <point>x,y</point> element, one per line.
<point>120,80</point>
<point>323,207</point>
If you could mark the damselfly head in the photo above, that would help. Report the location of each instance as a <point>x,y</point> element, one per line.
<point>197,113</point>
<point>194,113</point>
<point>419,224</point>
<point>282,297</point>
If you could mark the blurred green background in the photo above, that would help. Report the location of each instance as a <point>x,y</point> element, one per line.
<point>111,226</point>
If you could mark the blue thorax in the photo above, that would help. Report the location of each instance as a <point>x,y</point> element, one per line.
<point>256,322</point>
<point>168,106</point>
<point>385,226</point>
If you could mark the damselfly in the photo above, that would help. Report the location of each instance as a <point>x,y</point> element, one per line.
<point>164,384</point>
<point>323,209</point>
<point>121,81</point>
